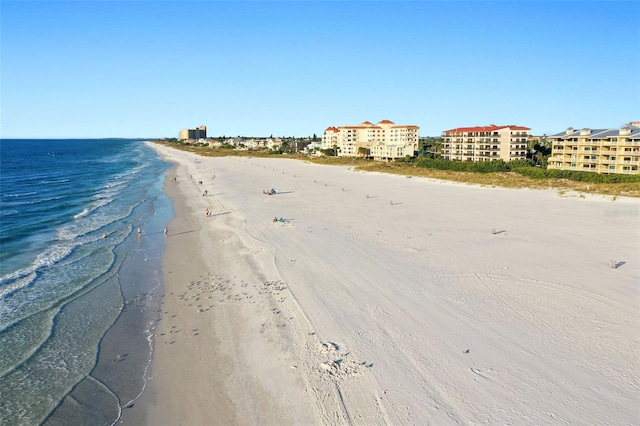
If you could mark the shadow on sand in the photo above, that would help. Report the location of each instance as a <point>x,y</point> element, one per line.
<point>180,233</point>
<point>219,214</point>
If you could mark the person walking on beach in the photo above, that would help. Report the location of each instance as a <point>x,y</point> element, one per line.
<point>165,231</point>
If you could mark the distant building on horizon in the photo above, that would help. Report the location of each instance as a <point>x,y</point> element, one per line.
<point>597,150</point>
<point>195,134</point>
<point>485,143</point>
<point>382,141</point>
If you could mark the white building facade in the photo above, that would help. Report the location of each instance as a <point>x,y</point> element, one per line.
<point>383,141</point>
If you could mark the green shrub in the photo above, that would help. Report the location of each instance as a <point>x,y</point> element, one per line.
<point>464,166</point>
<point>574,175</point>
<point>524,167</point>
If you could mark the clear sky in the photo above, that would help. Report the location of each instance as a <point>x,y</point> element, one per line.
<point>292,68</point>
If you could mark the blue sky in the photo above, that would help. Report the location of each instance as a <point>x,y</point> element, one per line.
<point>284,68</point>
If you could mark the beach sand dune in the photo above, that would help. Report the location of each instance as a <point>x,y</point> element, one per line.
<point>385,300</point>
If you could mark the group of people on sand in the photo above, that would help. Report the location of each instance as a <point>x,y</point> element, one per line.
<point>207,211</point>
<point>273,191</point>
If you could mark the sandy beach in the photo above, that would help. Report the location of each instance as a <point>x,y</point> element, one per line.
<point>382,299</point>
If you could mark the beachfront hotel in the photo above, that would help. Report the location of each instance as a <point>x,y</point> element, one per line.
<point>194,134</point>
<point>597,150</point>
<point>485,143</point>
<point>383,141</point>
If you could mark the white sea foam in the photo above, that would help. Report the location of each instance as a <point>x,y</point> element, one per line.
<point>83,213</point>
<point>91,209</point>
<point>48,257</point>
<point>17,283</point>
<point>24,194</point>
<point>86,223</point>
<point>24,203</point>
<point>44,182</point>
<point>54,254</point>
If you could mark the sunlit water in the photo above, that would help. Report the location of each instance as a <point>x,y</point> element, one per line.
<point>79,288</point>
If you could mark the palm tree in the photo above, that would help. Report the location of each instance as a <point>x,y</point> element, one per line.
<point>285,146</point>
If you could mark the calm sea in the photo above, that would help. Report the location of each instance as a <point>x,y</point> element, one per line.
<point>80,288</point>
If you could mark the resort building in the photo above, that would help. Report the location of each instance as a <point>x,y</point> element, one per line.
<point>485,143</point>
<point>597,150</point>
<point>382,141</point>
<point>195,134</point>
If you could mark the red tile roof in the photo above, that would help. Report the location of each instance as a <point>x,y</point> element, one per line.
<point>369,125</point>
<point>359,127</point>
<point>490,128</point>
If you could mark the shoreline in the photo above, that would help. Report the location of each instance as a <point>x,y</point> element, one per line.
<point>156,405</point>
<point>127,297</point>
<point>326,320</point>
<point>197,369</point>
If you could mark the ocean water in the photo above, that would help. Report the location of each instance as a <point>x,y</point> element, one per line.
<point>80,288</point>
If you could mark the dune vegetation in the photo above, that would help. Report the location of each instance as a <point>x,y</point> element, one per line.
<point>520,177</point>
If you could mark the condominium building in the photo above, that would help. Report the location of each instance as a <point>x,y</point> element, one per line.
<point>485,143</point>
<point>195,134</point>
<point>597,150</point>
<point>382,141</point>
